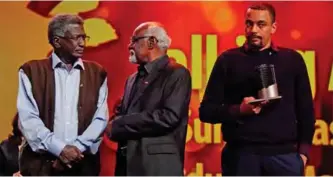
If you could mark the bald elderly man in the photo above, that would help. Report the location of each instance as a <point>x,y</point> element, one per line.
<point>151,123</point>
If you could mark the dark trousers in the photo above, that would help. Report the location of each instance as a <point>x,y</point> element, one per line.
<point>121,164</point>
<point>237,162</point>
<point>88,166</point>
<point>35,164</point>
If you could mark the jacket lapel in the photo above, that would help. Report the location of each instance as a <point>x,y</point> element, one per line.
<point>149,80</point>
<point>128,90</point>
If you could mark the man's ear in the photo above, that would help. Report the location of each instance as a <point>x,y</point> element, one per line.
<point>274,26</point>
<point>56,42</point>
<point>151,42</point>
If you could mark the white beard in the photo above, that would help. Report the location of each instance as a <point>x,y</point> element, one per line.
<point>132,58</point>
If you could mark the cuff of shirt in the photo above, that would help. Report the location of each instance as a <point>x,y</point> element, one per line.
<point>304,149</point>
<point>56,147</point>
<point>80,146</point>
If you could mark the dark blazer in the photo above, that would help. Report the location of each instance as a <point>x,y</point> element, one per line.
<point>8,158</point>
<point>154,124</point>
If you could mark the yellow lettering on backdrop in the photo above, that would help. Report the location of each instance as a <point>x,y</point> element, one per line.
<point>309,59</point>
<point>211,53</point>
<point>199,171</point>
<point>178,55</point>
<point>330,82</point>
<point>202,136</point>
<point>196,54</point>
<point>204,133</point>
<point>321,133</point>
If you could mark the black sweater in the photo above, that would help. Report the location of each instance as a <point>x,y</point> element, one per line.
<point>282,125</point>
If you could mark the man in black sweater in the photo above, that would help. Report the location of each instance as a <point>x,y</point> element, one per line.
<point>270,137</point>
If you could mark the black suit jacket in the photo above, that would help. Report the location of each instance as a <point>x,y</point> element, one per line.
<point>154,123</point>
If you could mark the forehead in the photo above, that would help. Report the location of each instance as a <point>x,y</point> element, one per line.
<point>74,29</point>
<point>258,15</point>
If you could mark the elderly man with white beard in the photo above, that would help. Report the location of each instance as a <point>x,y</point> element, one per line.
<point>151,122</point>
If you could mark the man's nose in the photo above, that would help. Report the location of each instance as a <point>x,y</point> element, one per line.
<point>81,42</point>
<point>254,28</point>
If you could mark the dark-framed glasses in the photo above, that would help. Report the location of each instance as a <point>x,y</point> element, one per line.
<point>135,39</point>
<point>77,38</point>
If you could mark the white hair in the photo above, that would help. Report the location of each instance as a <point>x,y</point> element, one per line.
<point>163,40</point>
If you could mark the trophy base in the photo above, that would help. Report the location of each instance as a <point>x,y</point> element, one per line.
<point>256,101</point>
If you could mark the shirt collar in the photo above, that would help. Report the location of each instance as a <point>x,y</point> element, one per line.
<point>56,62</point>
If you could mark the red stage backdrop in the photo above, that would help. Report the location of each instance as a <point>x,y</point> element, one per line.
<point>200,31</point>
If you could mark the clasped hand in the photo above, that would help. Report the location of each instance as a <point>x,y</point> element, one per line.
<point>69,155</point>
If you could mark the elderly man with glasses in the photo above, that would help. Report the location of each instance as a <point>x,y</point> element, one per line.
<point>150,125</point>
<point>62,105</point>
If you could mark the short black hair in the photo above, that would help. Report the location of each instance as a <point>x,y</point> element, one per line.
<point>265,6</point>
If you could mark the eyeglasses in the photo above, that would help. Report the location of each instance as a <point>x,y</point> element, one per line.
<point>135,39</point>
<point>77,38</point>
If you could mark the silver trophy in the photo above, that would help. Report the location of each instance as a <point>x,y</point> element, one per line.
<point>267,82</point>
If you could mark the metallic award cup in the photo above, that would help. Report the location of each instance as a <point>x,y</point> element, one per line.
<point>268,86</point>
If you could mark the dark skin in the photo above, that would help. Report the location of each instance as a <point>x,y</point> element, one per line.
<point>145,47</point>
<point>259,27</point>
<point>69,48</point>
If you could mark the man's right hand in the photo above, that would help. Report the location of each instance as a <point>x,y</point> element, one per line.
<point>247,109</point>
<point>117,107</point>
<point>69,154</point>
